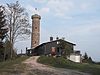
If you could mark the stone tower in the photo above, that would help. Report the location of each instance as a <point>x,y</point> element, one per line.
<point>35,37</point>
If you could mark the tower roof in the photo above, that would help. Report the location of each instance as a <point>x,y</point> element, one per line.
<point>36,16</point>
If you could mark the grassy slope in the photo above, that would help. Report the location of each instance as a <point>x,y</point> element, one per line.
<point>12,66</point>
<point>64,63</point>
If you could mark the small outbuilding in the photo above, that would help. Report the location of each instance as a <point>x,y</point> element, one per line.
<point>75,57</point>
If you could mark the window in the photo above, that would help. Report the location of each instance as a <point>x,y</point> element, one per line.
<point>35,27</point>
<point>35,42</point>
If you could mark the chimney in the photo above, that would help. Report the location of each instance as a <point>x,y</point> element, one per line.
<point>51,39</point>
<point>57,38</point>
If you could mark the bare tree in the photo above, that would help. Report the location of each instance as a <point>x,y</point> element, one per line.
<point>18,21</point>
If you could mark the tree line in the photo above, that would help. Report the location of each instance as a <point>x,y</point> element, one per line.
<point>14,25</point>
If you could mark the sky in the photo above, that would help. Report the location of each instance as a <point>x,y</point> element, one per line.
<point>76,20</point>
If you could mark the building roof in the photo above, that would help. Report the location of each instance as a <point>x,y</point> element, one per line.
<point>59,40</point>
<point>55,41</point>
<point>36,16</point>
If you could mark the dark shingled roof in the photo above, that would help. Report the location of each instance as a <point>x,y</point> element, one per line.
<point>55,41</point>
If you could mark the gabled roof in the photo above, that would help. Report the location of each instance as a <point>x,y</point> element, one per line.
<point>59,40</point>
<point>51,42</point>
<point>55,41</point>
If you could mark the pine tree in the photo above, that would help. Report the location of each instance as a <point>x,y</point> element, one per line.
<point>90,60</point>
<point>86,56</point>
<point>3,31</point>
<point>3,25</point>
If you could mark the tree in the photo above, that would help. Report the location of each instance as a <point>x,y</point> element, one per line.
<point>18,21</point>
<point>3,31</point>
<point>7,50</point>
<point>90,60</point>
<point>87,59</point>
<point>85,56</point>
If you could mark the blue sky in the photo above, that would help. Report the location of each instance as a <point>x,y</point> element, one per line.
<point>76,20</point>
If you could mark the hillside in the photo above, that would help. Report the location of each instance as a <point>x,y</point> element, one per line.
<point>12,67</point>
<point>24,66</point>
<point>40,69</point>
<point>64,63</point>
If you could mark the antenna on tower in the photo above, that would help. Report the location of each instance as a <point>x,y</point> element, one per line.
<point>36,9</point>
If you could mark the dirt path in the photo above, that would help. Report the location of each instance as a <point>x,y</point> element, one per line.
<point>40,69</point>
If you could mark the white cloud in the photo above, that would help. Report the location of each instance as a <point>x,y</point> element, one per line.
<point>87,29</point>
<point>44,35</point>
<point>69,17</point>
<point>60,7</point>
<point>44,10</point>
<point>85,6</point>
<point>2,3</point>
<point>40,1</point>
<point>32,10</point>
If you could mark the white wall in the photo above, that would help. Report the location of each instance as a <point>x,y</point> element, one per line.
<point>75,58</point>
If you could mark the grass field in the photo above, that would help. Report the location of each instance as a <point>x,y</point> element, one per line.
<point>12,66</point>
<point>64,63</point>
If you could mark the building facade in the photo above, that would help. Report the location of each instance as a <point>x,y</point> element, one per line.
<point>52,47</point>
<point>35,36</point>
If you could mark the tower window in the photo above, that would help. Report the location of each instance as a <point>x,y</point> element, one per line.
<point>35,42</point>
<point>35,27</point>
